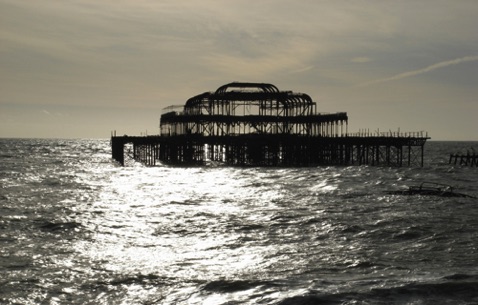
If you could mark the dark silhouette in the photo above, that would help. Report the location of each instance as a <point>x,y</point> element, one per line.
<point>256,124</point>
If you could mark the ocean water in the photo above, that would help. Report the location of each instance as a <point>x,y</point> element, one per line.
<point>76,228</point>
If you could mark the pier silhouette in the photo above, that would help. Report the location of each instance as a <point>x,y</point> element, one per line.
<point>256,124</point>
<point>468,159</point>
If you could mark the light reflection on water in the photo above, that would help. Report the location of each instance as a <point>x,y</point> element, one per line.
<point>186,232</point>
<point>196,225</point>
<point>89,231</point>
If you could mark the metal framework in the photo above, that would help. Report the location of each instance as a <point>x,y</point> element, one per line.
<point>256,124</point>
<point>249,108</point>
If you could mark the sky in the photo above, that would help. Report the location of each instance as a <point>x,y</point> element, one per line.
<point>85,68</point>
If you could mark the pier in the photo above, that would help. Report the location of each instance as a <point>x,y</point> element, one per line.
<point>256,124</point>
<point>468,159</point>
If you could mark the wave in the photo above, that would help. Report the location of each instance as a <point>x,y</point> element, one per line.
<point>54,227</point>
<point>139,279</point>
<point>454,289</point>
<point>228,286</point>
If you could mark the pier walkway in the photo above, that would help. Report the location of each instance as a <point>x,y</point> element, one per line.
<point>266,150</point>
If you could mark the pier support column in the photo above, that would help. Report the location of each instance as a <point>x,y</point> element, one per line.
<point>117,149</point>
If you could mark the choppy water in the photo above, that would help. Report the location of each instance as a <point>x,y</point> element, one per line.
<point>75,228</point>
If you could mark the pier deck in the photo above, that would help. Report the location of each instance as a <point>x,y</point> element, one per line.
<point>266,150</point>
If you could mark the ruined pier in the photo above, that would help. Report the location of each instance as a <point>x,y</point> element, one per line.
<point>468,159</point>
<point>256,124</point>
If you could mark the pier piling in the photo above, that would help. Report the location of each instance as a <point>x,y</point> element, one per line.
<point>464,159</point>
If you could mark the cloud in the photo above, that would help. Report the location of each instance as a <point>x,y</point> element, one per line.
<point>304,69</point>
<point>262,60</point>
<point>148,54</point>
<point>430,68</point>
<point>360,60</point>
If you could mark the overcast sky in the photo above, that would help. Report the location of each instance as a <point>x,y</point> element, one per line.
<point>83,68</point>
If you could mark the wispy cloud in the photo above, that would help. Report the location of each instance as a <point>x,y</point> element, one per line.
<point>430,68</point>
<point>360,60</point>
<point>304,69</point>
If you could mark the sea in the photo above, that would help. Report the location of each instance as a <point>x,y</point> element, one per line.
<point>78,228</point>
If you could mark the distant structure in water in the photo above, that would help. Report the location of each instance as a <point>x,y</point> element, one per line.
<point>468,159</point>
<point>256,124</point>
